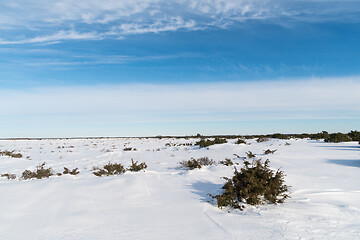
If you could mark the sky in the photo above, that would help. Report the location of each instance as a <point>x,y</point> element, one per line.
<point>178,67</point>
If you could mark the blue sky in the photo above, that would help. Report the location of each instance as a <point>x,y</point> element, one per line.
<point>153,67</point>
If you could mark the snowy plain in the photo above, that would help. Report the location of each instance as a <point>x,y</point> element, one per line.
<point>167,202</point>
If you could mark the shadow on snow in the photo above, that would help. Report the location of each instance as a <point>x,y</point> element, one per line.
<point>349,163</point>
<point>204,188</point>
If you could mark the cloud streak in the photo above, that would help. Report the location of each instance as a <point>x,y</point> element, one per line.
<point>68,20</point>
<point>61,35</point>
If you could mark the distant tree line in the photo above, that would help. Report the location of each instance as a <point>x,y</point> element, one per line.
<point>328,137</point>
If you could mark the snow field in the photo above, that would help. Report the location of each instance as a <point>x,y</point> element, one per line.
<point>167,202</point>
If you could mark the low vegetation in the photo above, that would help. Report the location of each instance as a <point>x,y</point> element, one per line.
<point>268,151</point>
<point>240,141</point>
<point>254,184</point>
<point>71,172</point>
<point>197,163</point>
<point>129,149</point>
<point>109,169</point>
<point>262,139</point>
<point>338,137</point>
<point>9,176</point>
<point>207,142</point>
<point>280,136</point>
<point>11,154</point>
<point>135,167</point>
<point>226,162</point>
<point>39,173</point>
<point>249,154</point>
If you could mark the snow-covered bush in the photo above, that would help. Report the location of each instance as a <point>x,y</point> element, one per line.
<point>129,149</point>
<point>249,154</point>
<point>11,154</point>
<point>72,172</point>
<point>197,163</point>
<point>207,142</point>
<point>254,184</point>
<point>39,173</point>
<point>109,169</point>
<point>240,141</point>
<point>227,162</point>
<point>268,151</point>
<point>262,139</point>
<point>9,176</point>
<point>135,167</point>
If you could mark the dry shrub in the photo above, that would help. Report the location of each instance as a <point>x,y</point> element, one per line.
<point>9,176</point>
<point>109,169</point>
<point>39,173</point>
<point>227,162</point>
<point>135,167</point>
<point>250,154</point>
<point>11,154</point>
<point>207,142</point>
<point>197,163</point>
<point>268,151</point>
<point>263,139</point>
<point>72,172</point>
<point>129,149</point>
<point>240,141</point>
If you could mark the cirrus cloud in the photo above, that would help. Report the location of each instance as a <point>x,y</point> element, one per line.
<point>54,20</point>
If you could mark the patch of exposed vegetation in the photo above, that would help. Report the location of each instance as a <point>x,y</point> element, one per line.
<point>354,135</point>
<point>130,149</point>
<point>109,169</point>
<point>135,167</point>
<point>11,154</point>
<point>254,184</point>
<point>207,142</point>
<point>9,176</point>
<point>227,162</point>
<point>262,139</point>
<point>279,136</point>
<point>39,173</point>
<point>249,154</point>
<point>268,151</point>
<point>71,172</point>
<point>197,163</point>
<point>240,141</point>
<point>338,137</point>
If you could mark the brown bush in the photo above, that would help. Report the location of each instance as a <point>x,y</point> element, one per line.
<point>39,173</point>
<point>240,141</point>
<point>197,163</point>
<point>268,151</point>
<point>9,176</point>
<point>110,169</point>
<point>11,154</point>
<point>135,167</point>
<point>72,172</point>
<point>227,162</point>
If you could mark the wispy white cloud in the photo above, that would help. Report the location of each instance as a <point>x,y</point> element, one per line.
<point>49,57</point>
<point>165,25</point>
<point>61,35</point>
<point>114,19</point>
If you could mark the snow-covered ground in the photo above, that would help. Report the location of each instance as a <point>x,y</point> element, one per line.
<point>167,202</point>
